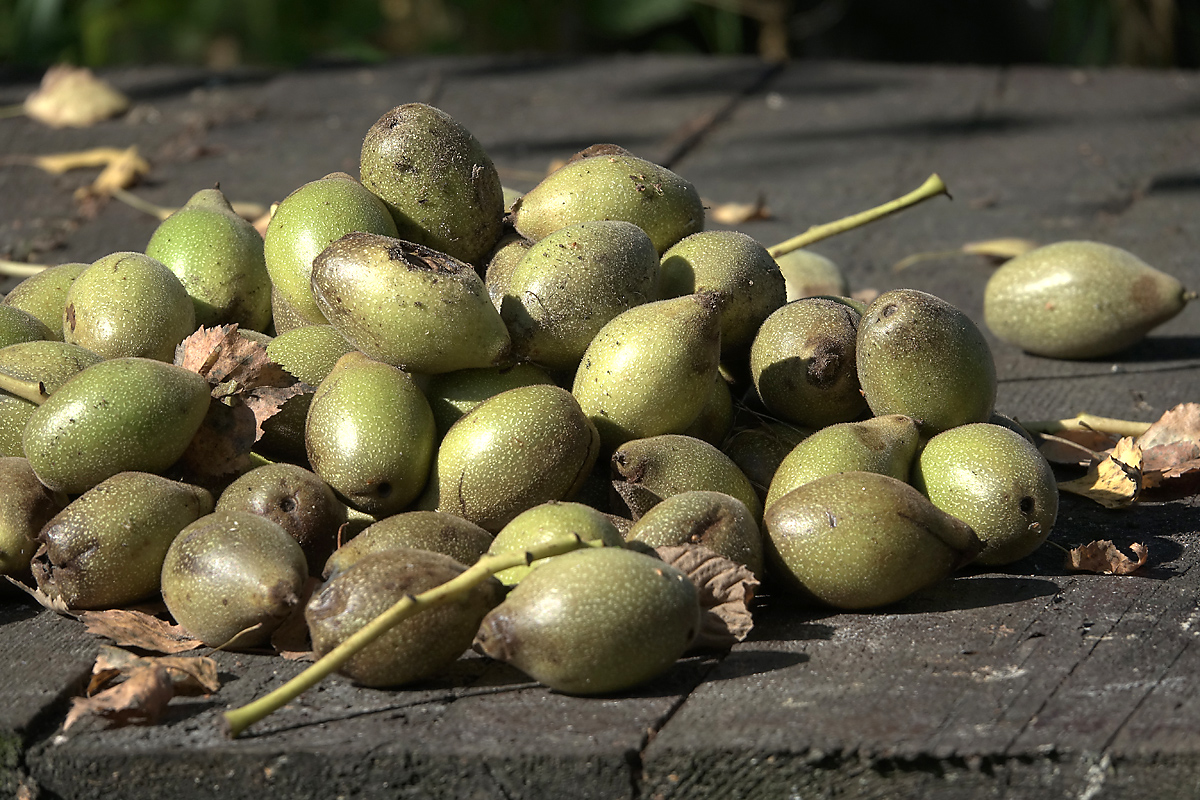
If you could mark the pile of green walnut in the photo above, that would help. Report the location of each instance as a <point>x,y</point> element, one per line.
<point>482,379</point>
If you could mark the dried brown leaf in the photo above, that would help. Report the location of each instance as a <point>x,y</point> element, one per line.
<point>190,675</point>
<point>55,604</point>
<point>251,389</point>
<point>1171,446</point>
<point>1114,482</point>
<point>738,213</point>
<point>130,628</point>
<point>139,700</point>
<point>74,97</point>
<point>1103,557</point>
<point>726,589</point>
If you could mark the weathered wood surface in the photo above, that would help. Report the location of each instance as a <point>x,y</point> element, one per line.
<point>1026,683</point>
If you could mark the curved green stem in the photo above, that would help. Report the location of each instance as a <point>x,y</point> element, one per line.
<point>1088,422</point>
<point>15,110</point>
<point>238,719</point>
<point>19,269</point>
<point>33,391</point>
<point>145,206</point>
<point>932,187</point>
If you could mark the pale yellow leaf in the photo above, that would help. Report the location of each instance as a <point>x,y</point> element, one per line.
<point>1114,482</point>
<point>74,97</point>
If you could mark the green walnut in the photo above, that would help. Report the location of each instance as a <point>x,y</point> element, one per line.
<point>1079,299</point>
<point>594,621</point>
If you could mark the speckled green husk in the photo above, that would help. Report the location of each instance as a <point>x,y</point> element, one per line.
<point>994,480</point>
<point>547,521</point>
<point>594,621</point>
<point>734,265</point>
<point>436,531</point>
<point>648,470</point>
<point>370,434</point>
<point>233,574</point>
<point>304,224</point>
<point>438,183</point>
<point>715,419</point>
<point>1078,299</point>
<point>21,326</point>
<point>518,449</point>
<point>118,415</point>
<point>25,506</point>
<point>504,259</point>
<point>650,370</point>
<point>623,187</point>
<point>419,647</point>
<point>297,500</point>
<point>128,304</point>
<point>107,547</point>
<point>886,445</point>
<point>715,520</point>
<point>47,362</point>
<point>808,274</point>
<point>571,283</point>
<point>453,394</point>
<point>920,356</point>
<point>803,363</point>
<point>858,540</point>
<point>309,353</point>
<point>218,256</point>
<point>14,415</point>
<point>758,451</point>
<point>407,305</point>
<point>44,295</point>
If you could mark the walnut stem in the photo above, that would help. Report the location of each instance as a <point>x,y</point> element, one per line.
<point>238,719</point>
<point>932,187</point>
<point>1088,422</point>
<point>19,269</point>
<point>33,391</point>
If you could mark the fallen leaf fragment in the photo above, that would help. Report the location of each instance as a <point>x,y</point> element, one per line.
<point>250,388</point>
<point>726,589</point>
<point>58,163</point>
<point>1103,558</point>
<point>74,97</point>
<point>1171,446</point>
<point>121,173</point>
<point>129,628</point>
<point>1001,249</point>
<point>1076,447</point>
<point>1114,482</point>
<point>190,675</point>
<point>738,213</point>
<point>138,700</point>
<point>55,604</point>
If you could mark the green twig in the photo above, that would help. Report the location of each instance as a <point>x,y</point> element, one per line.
<point>932,187</point>
<point>238,719</point>
<point>19,269</point>
<point>33,391</point>
<point>145,206</point>
<point>1088,422</point>
<point>15,110</point>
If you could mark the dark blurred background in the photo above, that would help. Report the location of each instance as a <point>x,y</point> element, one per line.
<point>223,34</point>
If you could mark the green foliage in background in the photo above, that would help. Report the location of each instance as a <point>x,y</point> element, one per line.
<point>224,33</point>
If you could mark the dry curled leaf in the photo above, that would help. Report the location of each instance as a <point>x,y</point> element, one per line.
<point>74,97</point>
<point>1103,557</point>
<point>55,604</point>
<point>190,675</point>
<point>726,589</point>
<point>130,628</point>
<point>1171,446</point>
<point>139,700</point>
<point>249,389</point>
<point>1114,482</point>
<point>738,213</point>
